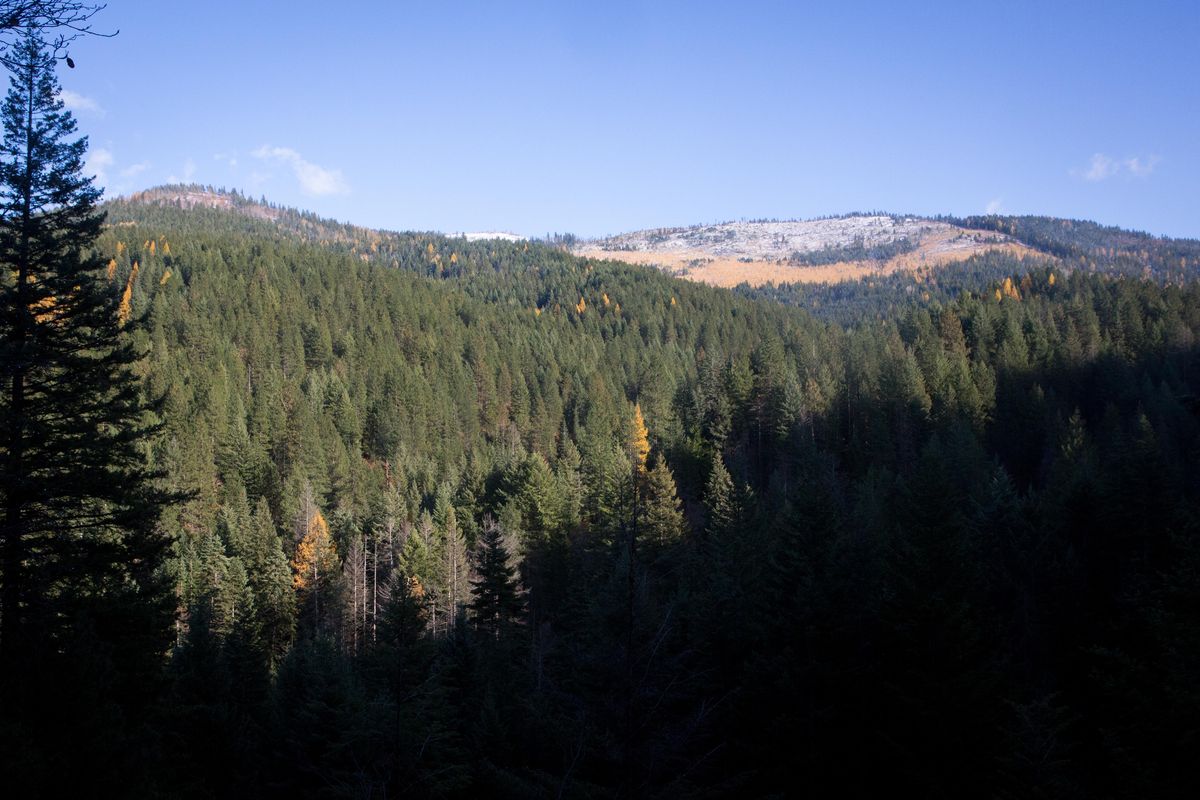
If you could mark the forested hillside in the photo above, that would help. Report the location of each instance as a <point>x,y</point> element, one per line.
<point>484,517</point>
<point>1098,248</point>
<point>861,505</point>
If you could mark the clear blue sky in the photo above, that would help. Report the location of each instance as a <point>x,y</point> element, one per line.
<point>600,117</point>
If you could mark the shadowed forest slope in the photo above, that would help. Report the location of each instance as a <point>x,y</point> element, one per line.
<point>485,515</point>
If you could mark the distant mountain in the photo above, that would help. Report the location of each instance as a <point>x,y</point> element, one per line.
<point>844,268</point>
<point>858,246</point>
<point>191,196</point>
<point>819,250</point>
<point>194,197</point>
<point>1098,248</point>
<point>483,236</point>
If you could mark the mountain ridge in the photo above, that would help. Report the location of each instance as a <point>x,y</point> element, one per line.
<point>824,250</point>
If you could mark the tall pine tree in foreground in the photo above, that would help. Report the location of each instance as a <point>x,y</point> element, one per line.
<point>85,608</point>
<point>494,593</point>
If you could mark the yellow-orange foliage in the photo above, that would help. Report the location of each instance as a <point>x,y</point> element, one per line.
<point>111,272</point>
<point>672,300</point>
<point>454,258</point>
<point>315,553</point>
<point>1052,279</point>
<point>639,441</point>
<point>604,297</point>
<point>125,310</point>
<point>153,247</point>
<point>581,306</point>
<point>166,248</point>
<point>120,248</point>
<point>166,276</point>
<point>537,312</point>
<point>43,310</point>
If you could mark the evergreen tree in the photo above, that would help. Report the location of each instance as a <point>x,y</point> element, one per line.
<point>315,562</point>
<point>663,524</point>
<point>719,500</point>
<point>81,554</point>
<point>495,601</point>
<point>270,582</point>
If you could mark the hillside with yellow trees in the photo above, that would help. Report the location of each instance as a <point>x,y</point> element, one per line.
<point>868,505</point>
<point>449,502</point>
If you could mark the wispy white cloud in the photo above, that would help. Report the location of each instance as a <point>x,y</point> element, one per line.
<point>74,101</point>
<point>99,161</point>
<point>135,169</point>
<point>228,158</point>
<point>1102,167</point>
<point>1141,167</point>
<point>314,180</point>
<point>995,205</point>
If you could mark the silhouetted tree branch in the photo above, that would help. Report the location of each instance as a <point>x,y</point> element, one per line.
<point>58,22</point>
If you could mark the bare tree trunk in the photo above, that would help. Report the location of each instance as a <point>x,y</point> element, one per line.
<point>374,586</point>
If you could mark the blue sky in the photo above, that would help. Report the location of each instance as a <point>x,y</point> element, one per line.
<point>596,118</point>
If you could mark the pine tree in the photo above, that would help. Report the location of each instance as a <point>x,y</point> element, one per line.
<point>719,499</point>
<point>639,440</point>
<point>419,560</point>
<point>81,554</point>
<point>455,561</point>
<point>315,562</point>
<point>663,523</point>
<point>495,601</point>
<point>271,583</point>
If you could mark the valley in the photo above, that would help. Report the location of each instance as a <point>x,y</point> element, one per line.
<point>326,474</point>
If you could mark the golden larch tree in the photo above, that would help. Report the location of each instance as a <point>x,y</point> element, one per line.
<point>316,557</point>
<point>639,440</point>
<point>125,310</point>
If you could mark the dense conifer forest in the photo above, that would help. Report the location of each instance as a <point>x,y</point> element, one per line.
<point>323,511</point>
<point>487,517</point>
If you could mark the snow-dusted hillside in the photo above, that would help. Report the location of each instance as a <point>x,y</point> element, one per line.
<point>477,236</point>
<point>775,240</point>
<point>757,252</point>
